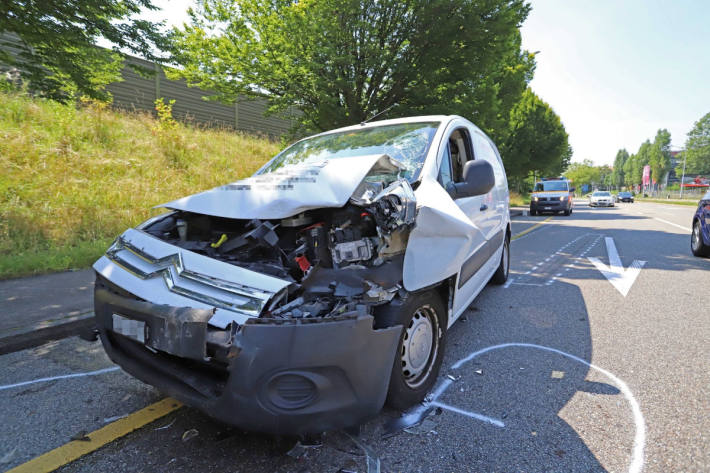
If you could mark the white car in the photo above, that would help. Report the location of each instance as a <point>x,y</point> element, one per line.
<point>299,299</point>
<point>601,199</point>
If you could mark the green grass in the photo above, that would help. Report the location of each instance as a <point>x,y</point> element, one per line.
<point>72,179</point>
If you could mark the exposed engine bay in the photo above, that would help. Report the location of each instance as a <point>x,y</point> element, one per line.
<point>333,258</point>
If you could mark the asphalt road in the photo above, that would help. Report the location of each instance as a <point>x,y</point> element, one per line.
<point>556,371</point>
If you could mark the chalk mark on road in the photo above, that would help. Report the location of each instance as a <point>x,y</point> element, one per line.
<point>637,458</point>
<point>64,376</point>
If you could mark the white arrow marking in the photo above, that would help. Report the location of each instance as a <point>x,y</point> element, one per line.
<point>622,279</point>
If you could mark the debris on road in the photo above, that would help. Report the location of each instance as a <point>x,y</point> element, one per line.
<point>557,374</point>
<point>108,420</point>
<point>190,434</point>
<point>166,426</point>
<point>300,450</point>
<point>7,458</point>
<point>80,436</point>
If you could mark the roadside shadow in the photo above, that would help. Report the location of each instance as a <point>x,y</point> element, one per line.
<point>532,391</point>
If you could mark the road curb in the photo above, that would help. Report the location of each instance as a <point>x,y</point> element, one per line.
<point>43,332</point>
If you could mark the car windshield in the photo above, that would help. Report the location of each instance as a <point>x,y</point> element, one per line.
<point>624,194</point>
<point>601,194</point>
<point>551,186</point>
<point>408,143</point>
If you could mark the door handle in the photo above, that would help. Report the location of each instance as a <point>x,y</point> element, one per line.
<point>484,207</point>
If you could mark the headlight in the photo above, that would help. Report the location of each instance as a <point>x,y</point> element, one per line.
<point>562,198</point>
<point>534,199</point>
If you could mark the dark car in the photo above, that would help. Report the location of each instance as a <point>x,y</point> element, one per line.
<point>700,238</point>
<point>626,197</point>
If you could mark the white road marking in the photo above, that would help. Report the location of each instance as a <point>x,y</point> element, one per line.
<point>687,229</point>
<point>636,464</point>
<point>622,279</point>
<point>508,283</point>
<point>64,376</point>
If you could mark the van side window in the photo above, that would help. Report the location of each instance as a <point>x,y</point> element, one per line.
<point>461,152</point>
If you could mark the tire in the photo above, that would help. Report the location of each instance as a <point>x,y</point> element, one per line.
<point>567,212</point>
<point>697,245</point>
<point>421,315</point>
<point>501,274</point>
<point>533,212</point>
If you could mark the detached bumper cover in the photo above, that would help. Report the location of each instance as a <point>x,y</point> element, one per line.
<point>290,377</point>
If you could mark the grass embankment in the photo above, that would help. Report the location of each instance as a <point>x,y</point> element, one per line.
<point>71,179</point>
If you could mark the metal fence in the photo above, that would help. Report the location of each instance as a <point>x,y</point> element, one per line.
<point>138,93</point>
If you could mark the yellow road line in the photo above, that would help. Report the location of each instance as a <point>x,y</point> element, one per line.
<point>73,450</point>
<point>525,232</point>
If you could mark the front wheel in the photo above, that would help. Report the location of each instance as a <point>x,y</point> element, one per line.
<point>697,245</point>
<point>421,345</point>
<point>533,212</point>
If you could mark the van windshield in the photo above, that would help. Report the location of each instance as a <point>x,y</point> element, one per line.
<point>546,186</point>
<point>408,143</point>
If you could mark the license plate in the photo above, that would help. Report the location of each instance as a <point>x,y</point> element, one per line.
<point>130,328</point>
<point>548,208</point>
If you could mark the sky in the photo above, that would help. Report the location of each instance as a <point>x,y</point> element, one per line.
<point>615,71</point>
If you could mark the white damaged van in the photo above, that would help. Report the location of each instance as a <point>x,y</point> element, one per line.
<point>300,299</point>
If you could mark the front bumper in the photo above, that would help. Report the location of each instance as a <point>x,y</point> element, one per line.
<point>550,205</point>
<point>286,377</point>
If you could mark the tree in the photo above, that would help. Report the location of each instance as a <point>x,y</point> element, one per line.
<point>536,141</point>
<point>57,54</point>
<point>617,175</point>
<point>628,170</point>
<point>342,61</point>
<point>659,157</point>
<point>697,147</point>
<point>584,173</point>
<point>641,160</point>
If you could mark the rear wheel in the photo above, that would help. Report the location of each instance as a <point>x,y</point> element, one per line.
<point>421,345</point>
<point>697,245</point>
<point>501,274</point>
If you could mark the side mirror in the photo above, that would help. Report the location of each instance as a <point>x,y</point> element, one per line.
<point>530,191</point>
<point>573,189</point>
<point>478,179</point>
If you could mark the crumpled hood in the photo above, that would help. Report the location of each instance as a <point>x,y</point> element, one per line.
<point>289,190</point>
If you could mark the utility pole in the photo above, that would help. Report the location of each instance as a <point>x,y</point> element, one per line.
<point>682,177</point>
